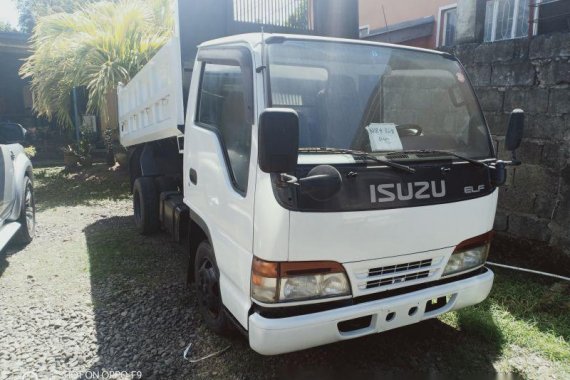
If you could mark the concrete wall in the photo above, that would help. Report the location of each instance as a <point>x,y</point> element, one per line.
<point>535,76</point>
<point>470,21</point>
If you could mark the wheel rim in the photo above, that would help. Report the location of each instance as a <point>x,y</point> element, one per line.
<point>208,288</point>
<point>30,211</point>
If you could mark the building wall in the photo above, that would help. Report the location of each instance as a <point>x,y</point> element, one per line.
<point>399,11</point>
<point>15,104</point>
<point>533,75</point>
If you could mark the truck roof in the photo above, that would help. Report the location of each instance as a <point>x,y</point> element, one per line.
<point>254,39</point>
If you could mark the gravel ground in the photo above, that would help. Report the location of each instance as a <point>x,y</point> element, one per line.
<point>90,297</point>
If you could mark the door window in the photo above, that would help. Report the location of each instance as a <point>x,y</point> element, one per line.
<point>222,107</point>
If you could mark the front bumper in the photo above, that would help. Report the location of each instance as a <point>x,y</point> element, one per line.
<point>281,335</point>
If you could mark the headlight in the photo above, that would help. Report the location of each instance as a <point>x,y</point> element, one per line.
<point>299,281</point>
<point>470,254</point>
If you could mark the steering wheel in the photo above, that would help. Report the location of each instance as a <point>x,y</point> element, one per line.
<point>409,130</point>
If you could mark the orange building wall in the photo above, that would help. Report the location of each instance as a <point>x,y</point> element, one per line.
<point>401,10</point>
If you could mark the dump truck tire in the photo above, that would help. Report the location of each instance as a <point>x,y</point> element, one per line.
<point>145,205</point>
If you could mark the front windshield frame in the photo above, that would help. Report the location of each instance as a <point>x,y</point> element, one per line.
<point>472,101</point>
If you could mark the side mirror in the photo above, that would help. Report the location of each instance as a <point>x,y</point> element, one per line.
<point>515,130</point>
<point>278,140</point>
<point>12,133</point>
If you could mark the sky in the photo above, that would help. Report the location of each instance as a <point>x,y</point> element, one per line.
<point>8,12</point>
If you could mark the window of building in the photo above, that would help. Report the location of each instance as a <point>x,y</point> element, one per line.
<point>506,19</point>
<point>222,108</point>
<point>551,16</point>
<point>447,22</point>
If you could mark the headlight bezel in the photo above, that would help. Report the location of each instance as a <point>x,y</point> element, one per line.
<point>270,281</point>
<point>478,247</point>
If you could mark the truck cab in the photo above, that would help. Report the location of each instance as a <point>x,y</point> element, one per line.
<point>345,188</point>
<point>329,188</point>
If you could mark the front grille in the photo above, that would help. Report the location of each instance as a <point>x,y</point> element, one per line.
<point>398,274</point>
<point>399,268</point>
<point>397,279</point>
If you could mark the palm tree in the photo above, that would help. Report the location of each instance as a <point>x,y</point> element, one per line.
<point>97,47</point>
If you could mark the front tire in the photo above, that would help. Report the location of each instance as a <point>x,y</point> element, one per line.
<point>145,205</point>
<point>27,217</point>
<point>207,277</point>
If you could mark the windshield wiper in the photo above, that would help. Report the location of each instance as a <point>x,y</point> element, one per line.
<point>360,154</point>
<point>445,153</point>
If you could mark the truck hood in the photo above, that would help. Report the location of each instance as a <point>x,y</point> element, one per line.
<point>348,237</point>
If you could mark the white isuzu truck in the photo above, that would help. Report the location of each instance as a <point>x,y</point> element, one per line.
<point>330,188</point>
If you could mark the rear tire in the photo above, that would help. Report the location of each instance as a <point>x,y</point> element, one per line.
<point>27,217</point>
<point>207,276</point>
<point>145,205</point>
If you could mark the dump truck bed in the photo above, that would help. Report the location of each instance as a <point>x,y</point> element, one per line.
<point>151,106</point>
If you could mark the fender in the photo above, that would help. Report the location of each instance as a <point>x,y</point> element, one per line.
<point>198,231</point>
<point>148,166</point>
<point>237,307</point>
<point>154,159</point>
<point>197,219</point>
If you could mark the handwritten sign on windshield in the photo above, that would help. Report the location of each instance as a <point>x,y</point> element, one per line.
<point>384,137</point>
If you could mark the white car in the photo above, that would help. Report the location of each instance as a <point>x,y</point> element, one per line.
<point>17,206</point>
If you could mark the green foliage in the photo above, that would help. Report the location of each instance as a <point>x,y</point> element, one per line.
<point>30,151</point>
<point>84,146</point>
<point>6,27</point>
<point>98,46</point>
<point>108,138</point>
<point>32,10</point>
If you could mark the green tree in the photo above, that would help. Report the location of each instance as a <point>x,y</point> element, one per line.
<point>6,27</point>
<point>31,10</point>
<point>98,46</point>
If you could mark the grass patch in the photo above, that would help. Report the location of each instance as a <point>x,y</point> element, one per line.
<point>524,311</point>
<point>123,259</point>
<point>56,187</point>
<point>115,250</point>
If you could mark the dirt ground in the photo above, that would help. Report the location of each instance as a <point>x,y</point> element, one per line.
<point>90,296</point>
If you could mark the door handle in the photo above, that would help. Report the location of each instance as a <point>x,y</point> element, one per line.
<point>12,155</point>
<point>193,176</point>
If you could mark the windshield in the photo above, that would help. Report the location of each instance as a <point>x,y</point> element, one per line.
<point>376,99</point>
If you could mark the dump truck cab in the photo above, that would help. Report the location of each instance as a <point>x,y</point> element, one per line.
<point>383,215</point>
<point>329,188</point>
